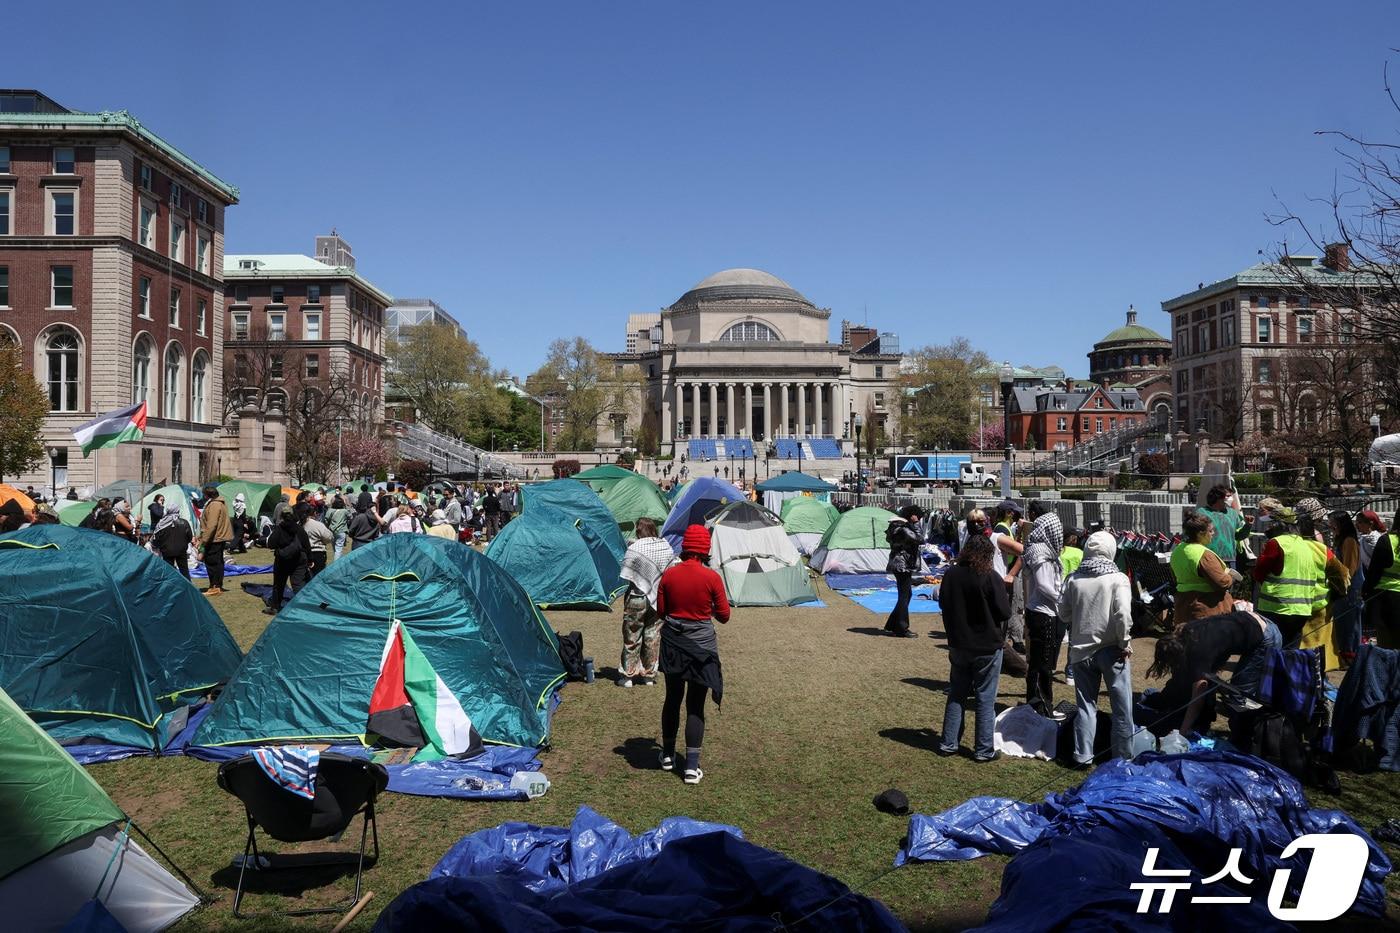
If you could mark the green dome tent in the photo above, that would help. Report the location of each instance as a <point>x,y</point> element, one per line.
<point>71,512</point>
<point>855,543</point>
<point>311,675</point>
<point>759,565</point>
<point>558,559</point>
<point>578,500</point>
<point>62,845</point>
<point>100,640</point>
<point>806,519</point>
<point>174,495</point>
<point>628,496</point>
<point>261,497</point>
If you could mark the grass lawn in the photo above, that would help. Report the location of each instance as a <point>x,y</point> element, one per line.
<point>820,714</point>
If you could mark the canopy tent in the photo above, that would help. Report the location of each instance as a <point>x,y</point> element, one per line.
<point>8,492</point>
<point>806,519</point>
<point>62,845</point>
<point>629,497</point>
<point>311,675</point>
<point>261,497</point>
<point>559,559</point>
<point>1385,451</point>
<point>101,640</point>
<point>601,477</point>
<point>855,542</point>
<point>779,489</point>
<point>174,495</point>
<point>752,553</point>
<point>71,512</point>
<point>129,489</point>
<point>578,500</point>
<point>696,504</point>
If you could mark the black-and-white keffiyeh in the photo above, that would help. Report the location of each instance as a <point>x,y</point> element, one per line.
<point>646,559</point>
<point>1049,532</point>
<point>1099,553</point>
<point>171,516</point>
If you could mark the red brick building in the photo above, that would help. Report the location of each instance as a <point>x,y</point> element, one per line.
<point>1059,418</point>
<point>111,250</point>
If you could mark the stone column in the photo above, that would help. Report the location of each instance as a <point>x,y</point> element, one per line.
<point>783,425</point>
<point>714,409</point>
<point>767,412</point>
<point>729,427</point>
<point>802,409</point>
<point>820,389</point>
<point>748,409</point>
<point>666,427</point>
<point>695,409</point>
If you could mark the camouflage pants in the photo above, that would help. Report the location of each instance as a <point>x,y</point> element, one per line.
<point>641,637</point>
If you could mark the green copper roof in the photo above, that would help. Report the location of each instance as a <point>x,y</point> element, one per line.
<point>1275,275</point>
<point>1136,333</point>
<point>120,120</point>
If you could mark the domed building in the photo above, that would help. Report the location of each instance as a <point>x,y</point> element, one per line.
<point>1136,356</point>
<point>743,357</point>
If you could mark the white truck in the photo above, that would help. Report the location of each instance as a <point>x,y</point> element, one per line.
<point>973,476</point>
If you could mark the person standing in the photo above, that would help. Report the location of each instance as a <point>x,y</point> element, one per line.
<point>1382,588</point>
<point>1288,573</point>
<point>903,538</point>
<point>452,509</point>
<point>123,525</point>
<point>157,511</point>
<point>283,506</point>
<point>1202,580</point>
<point>241,525</point>
<point>321,540</point>
<point>1044,582</point>
<point>364,524</point>
<point>1346,608</point>
<point>1369,529</point>
<point>491,510</point>
<point>1098,605</point>
<point>647,558</point>
<point>338,522</point>
<point>975,608</point>
<point>215,530</point>
<point>688,596</point>
<point>291,552</point>
<point>1230,526</point>
<point>172,538</point>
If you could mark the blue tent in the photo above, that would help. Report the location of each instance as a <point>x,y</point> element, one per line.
<point>558,559</point>
<point>700,498</point>
<point>795,482</point>
<point>579,500</point>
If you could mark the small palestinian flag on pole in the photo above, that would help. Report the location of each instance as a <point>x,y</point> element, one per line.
<point>412,707</point>
<point>111,429</point>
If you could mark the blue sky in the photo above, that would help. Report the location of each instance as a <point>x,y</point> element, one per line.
<point>1015,173</point>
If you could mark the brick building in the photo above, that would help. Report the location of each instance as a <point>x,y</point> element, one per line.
<point>1058,418</point>
<point>1134,356</point>
<point>111,251</point>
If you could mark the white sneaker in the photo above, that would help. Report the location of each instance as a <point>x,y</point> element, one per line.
<point>693,775</point>
<point>667,762</point>
<point>624,681</point>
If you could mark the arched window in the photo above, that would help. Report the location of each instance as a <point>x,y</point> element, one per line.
<point>199,388</point>
<point>141,372</point>
<point>748,332</point>
<point>7,337</point>
<point>61,351</point>
<point>174,376</point>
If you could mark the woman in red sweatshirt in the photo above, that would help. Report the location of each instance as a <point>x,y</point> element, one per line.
<point>689,595</point>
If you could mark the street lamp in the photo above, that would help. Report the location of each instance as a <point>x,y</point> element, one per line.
<point>767,464</point>
<point>1375,435</point>
<point>860,481</point>
<point>1008,380</point>
<point>53,473</point>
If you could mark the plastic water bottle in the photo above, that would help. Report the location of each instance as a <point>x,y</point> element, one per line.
<point>588,670</point>
<point>533,783</point>
<point>1174,743</point>
<point>1143,741</point>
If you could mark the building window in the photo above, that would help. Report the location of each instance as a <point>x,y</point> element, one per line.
<point>1305,328</point>
<point>279,295</point>
<point>1264,371</point>
<point>148,465</point>
<point>240,368</point>
<point>880,400</point>
<point>174,365</point>
<point>1348,330</point>
<point>276,326</point>
<point>201,315</point>
<point>1262,328</point>
<point>1227,332</point>
<point>141,372</point>
<point>4,213</point>
<point>313,294</point>
<point>1266,421</point>
<point>313,366</point>
<point>201,254</point>
<point>201,210</point>
<point>1302,301</point>
<point>276,366</point>
<point>146,178</point>
<point>879,372</point>
<point>312,328</point>
<point>1086,424</point>
<point>1112,424</point>
<point>62,353</point>
<point>177,194</point>
<point>61,287</point>
<point>143,298</point>
<point>1307,413</point>
<point>1061,424</point>
<point>4,160</point>
<point>64,162</point>
<point>177,467</point>
<point>240,327</point>
<point>199,389</point>
<point>240,294</point>
<point>177,242</point>
<point>174,307</point>
<point>147,230</point>
<point>4,286</point>
<point>747,332</point>
<point>1181,344</point>
<point>1260,301</point>
<point>1098,425</point>
<point>63,217</point>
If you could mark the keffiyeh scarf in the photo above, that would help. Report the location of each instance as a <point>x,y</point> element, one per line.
<point>171,516</point>
<point>1049,532</point>
<point>646,559</point>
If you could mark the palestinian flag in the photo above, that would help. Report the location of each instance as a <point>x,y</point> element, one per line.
<point>411,707</point>
<point>111,429</point>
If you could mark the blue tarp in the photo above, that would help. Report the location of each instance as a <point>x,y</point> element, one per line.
<point>230,570</point>
<point>596,876</point>
<point>1195,807</point>
<point>881,601</point>
<point>858,581</point>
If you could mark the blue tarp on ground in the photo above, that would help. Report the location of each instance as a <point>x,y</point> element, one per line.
<point>881,602</point>
<point>596,876</point>
<point>858,581</point>
<point>230,570</point>
<point>1195,807</point>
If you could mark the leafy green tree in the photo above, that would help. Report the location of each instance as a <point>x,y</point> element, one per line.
<point>25,406</point>
<point>941,387</point>
<point>589,385</point>
<point>448,379</point>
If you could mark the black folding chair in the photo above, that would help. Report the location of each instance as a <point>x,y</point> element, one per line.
<point>345,787</point>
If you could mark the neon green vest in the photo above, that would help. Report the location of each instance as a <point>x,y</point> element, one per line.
<point>1186,563</point>
<point>1320,568</point>
<point>1390,580</point>
<point>1290,592</point>
<point>1070,559</point>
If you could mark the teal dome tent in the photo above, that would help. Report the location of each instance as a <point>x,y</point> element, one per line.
<point>559,559</point>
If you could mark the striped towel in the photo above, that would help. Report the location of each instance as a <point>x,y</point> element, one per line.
<point>290,767</point>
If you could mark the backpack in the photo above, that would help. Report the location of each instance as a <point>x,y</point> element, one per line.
<point>291,550</point>
<point>571,654</point>
<point>1275,738</point>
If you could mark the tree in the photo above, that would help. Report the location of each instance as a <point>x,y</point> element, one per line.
<point>589,385</point>
<point>414,473</point>
<point>25,406</point>
<point>1155,468</point>
<point>506,420</point>
<point>362,453</point>
<point>942,385</point>
<point>990,437</point>
<point>448,379</point>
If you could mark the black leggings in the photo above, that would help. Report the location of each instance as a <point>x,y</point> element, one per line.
<point>694,712</point>
<point>898,621</point>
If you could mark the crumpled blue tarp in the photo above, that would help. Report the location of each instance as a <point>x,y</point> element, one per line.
<point>711,881</point>
<point>1204,803</point>
<point>231,570</point>
<point>547,858</point>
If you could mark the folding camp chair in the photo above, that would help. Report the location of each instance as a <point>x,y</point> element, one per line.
<point>345,787</point>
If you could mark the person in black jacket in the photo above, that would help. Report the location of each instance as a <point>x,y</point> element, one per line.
<point>904,540</point>
<point>172,538</point>
<point>291,553</point>
<point>975,609</point>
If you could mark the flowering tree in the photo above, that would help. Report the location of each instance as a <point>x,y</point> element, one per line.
<point>990,437</point>
<point>360,453</point>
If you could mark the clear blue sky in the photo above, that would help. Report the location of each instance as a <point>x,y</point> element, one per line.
<point>1017,173</point>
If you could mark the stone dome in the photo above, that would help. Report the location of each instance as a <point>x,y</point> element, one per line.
<point>1133,332</point>
<point>742,284</point>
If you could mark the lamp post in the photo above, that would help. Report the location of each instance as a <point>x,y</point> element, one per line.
<point>1375,435</point>
<point>860,480</point>
<point>767,461</point>
<point>1008,380</point>
<point>53,473</point>
<point>799,455</point>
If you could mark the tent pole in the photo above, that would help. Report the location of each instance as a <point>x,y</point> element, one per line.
<point>204,898</point>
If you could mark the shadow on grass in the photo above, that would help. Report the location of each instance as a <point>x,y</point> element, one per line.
<point>292,875</point>
<point>641,753</point>
<point>927,683</point>
<point>925,740</point>
<point>867,630</point>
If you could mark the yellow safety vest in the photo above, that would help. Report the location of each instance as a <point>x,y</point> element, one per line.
<point>1390,580</point>
<point>1290,592</point>
<point>1320,584</point>
<point>1070,559</point>
<point>1186,564</point>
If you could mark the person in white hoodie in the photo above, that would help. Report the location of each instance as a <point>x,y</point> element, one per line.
<point>1044,581</point>
<point>1097,604</point>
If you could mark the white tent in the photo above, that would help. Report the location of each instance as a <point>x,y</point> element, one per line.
<point>855,543</point>
<point>1385,451</point>
<point>759,565</point>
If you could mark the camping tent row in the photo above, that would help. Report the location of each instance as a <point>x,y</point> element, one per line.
<point>627,495</point>
<point>806,519</point>
<point>778,489</point>
<point>855,543</point>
